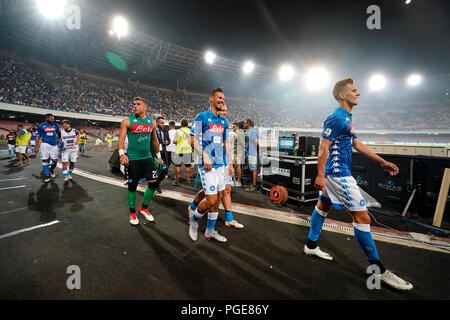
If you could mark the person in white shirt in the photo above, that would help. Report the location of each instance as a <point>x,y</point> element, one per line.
<point>172,146</point>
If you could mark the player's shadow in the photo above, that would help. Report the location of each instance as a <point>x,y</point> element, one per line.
<point>184,260</point>
<point>12,167</point>
<point>46,201</point>
<point>73,193</point>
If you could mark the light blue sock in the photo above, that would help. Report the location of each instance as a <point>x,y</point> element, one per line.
<point>212,218</point>
<point>9,152</point>
<point>229,216</point>
<point>45,169</point>
<point>193,205</point>
<point>71,169</point>
<point>317,219</point>
<point>365,240</point>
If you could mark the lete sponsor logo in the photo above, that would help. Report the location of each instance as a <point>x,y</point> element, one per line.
<point>141,128</point>
<point>215,128</point>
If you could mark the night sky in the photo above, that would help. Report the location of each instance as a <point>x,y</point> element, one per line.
<point>413,37</point>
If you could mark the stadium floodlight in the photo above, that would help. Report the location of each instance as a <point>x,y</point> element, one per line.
<point>51,8</point>
<point>248,67</point>
<point>414,80</point>
<point>377,82</point>
<point>210,57</point>
<point>286,73</point>
<point>119,27</point>
<point>317,78</point>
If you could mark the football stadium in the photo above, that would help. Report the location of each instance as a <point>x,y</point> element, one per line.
<point>240,152</point>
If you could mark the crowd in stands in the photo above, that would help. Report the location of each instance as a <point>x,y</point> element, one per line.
<point>23,85</point>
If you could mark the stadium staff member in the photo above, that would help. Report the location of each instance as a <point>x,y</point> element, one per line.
<point>238,141</point>
<point>11,141</point>
<point>252,152</point>
<point>141,135</point>
<point>183,152</point>
<point>163,139</point>
<point>337,186</point>
<point>22,139</point>
<point>82,143</point>
<point>109,140</point>
<point>50,135</point>
<point>171,147</point>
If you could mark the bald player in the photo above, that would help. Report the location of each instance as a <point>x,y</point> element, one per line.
<point>225,194</point>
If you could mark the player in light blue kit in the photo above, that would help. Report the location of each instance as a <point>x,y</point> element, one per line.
<point>338,188</point>
<point>209,133</point>
<point>50,135</point>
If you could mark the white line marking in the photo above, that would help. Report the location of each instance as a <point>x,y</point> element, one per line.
<point>16,187</point>
<point>13,210</point>
<point>14,179</point>
<point>28,229</point>
<point>273,214</point>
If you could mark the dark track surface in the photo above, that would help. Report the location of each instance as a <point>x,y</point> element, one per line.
<point>159,261</point>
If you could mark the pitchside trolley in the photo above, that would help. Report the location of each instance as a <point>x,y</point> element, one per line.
<point>287,176</point>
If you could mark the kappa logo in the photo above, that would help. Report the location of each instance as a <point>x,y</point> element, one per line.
<point>335,164</point>
<point>135,120</point>
<point>336,170</point>
<point>347,119</point>
<point>335,153</point>
<point>209,119</point>
<point>327,132</point>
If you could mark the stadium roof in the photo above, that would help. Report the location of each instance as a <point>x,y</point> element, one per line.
<point>148,59</point>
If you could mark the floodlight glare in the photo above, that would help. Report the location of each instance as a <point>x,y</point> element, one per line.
<point>210,57</point>
<point>248,67</point>
<point>377,82</point>
<point>317,78</point>
<point>286,73</point>
<point>51,8</point>
<point>119,27</point>
<point>414,80</point>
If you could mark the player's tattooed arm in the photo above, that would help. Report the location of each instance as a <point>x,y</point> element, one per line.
<point>124,125</point>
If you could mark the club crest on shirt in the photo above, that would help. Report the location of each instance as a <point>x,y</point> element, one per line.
<point>327,132</point>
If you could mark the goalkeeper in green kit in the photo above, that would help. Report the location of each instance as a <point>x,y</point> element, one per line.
<point>138,159</point>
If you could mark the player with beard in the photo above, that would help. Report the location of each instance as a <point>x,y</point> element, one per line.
<point>141,134</point>
<point>225,194</point>
<point>50,135</point>
<point>209,134</point>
